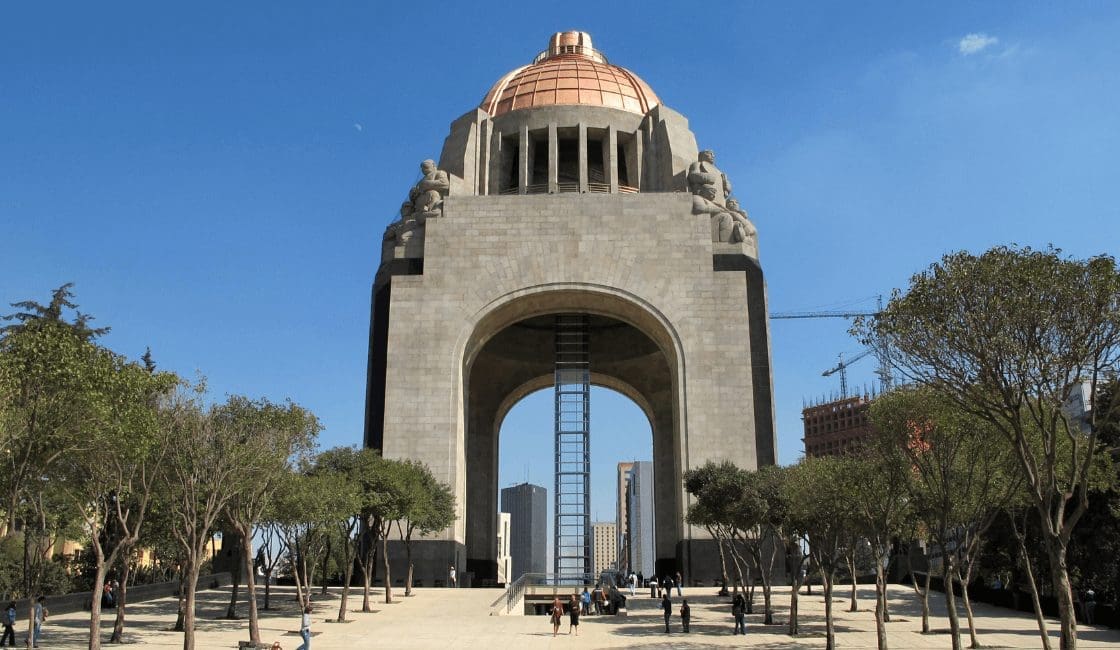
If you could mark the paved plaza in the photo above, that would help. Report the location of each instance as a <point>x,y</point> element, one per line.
<point>458,618</point>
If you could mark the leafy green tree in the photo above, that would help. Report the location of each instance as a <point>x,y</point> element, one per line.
<point>270,436</point>
<point>962,476</point>
<point>881,512</point>
<point>429,507</point>
<point>308,506</point>
<point>349,464</point>
<point>1008,336</point>
<point>820,509</point>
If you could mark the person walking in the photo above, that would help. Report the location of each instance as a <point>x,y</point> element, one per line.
<point>557,612</point>
<point>667,609</point>
<point>653,592</point>
<point>738,605</point>
<point>40,615</point>
<point>305,629</point>
<point>451,576</point>
<point>573,615</point>
<point>633,583</point>
<point>686,614</point>
<point>679,580</point>
<point>667,584</point>
<point>9,620</point>
<point>585,602</point>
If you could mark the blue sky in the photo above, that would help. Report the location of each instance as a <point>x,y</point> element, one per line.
<point>215,177</point>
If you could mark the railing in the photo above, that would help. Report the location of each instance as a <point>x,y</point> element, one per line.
<point>515,593</point>
<point>568,188</point>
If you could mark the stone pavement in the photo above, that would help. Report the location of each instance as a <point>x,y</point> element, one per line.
<point>458,618</point>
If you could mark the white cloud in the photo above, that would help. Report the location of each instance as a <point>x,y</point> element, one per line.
<point>973,43</point>
<point>357,126</point>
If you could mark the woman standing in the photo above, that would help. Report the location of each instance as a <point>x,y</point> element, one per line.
<point>305,629</point>
<point>557,612</point>
<point>573,615</point>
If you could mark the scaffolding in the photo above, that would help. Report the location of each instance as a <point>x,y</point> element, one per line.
<point>572,496</point>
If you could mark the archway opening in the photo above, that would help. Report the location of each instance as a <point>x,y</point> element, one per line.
<point>515,361</point>
<point>620,433</point>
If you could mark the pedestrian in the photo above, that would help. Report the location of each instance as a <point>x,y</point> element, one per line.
<point>679,580</point>
<point>451,576</point>
<point>557,612</point>
<point>573,615</point>
<point>1090,607</point>
<point>633,583</point>
<point>667,609</point>
<point>653,591</point>
<point>667,584</point>
<point>305,628</point>
<point>9,636</point>
<point>686,614</point>
<point>737,610</point>
<point>597,599</point>
<point>585,602</point>
<point>40,615</point>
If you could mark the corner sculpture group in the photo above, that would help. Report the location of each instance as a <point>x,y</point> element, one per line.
<point>711,195</point>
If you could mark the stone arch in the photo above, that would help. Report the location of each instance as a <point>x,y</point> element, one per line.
<point>506,354</point>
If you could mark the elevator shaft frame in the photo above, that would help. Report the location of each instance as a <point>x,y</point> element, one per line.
<point>572,494</point>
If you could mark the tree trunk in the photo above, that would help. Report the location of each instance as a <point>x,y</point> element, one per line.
<point>829,624</point>
<point>367,579</point>
<point>326,567</point>
<point>1063,591</point>
<point>122,600</point>
<point>722,558</point>
<point>100,573</point>
<point>1031,584</point>
<point>267,588</point>
<point>251,588</point>
<point>231,611</point>
<point>181,618</point>
<point>974,642</point>
<point>188,605</point>
<point>950,597</point>
<point>924,593</point>
<point>408,563</point>
<point>880,605</point>
<point>794,587</point>
<point>385,561</point>
<point>854,605</point>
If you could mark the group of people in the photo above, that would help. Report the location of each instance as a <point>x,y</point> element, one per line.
<point>9,620</point>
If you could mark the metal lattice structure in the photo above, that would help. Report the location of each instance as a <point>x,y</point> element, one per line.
<point>572,529</point>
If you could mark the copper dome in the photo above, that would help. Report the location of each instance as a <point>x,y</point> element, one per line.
<point>570,71</point>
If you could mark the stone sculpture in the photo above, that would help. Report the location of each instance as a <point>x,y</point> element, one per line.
<point>710,195</point>
<point>704,173</point>
<point>427,195</point>
<point>425,200</point>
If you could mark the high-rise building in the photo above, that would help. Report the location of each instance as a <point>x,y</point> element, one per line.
<point>527,505</point>
<point>604,549</point>
<point>505,567</point>
<point>639,517</point>
<point>621,542</point>
<point>836,427</point>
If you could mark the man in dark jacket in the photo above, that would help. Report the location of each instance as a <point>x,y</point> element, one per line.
<point>738,610</point>
<point>667,607</point>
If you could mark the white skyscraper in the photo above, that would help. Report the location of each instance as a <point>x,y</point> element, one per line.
<point>639,502</point>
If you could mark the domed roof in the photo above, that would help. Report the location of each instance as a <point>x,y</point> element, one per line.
<point>570,71</point>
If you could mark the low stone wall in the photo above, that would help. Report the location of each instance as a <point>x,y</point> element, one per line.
<point>79,601</point>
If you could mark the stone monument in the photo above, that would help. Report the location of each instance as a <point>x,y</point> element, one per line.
<point>571,189</point>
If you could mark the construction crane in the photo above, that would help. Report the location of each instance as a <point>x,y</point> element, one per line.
<point>879,348</point>
<point>842,368</point>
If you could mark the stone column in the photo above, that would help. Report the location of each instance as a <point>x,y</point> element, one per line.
<point>553,159</point>
<point>612,158</point>
<point>523,160</point>
<point>582,158</point>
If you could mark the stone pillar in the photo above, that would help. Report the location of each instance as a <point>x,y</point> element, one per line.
<point>612,158</point>
<point>523,160</point>
<point>582,158</point>
<point>553,159</point>
<point>636,172</point>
